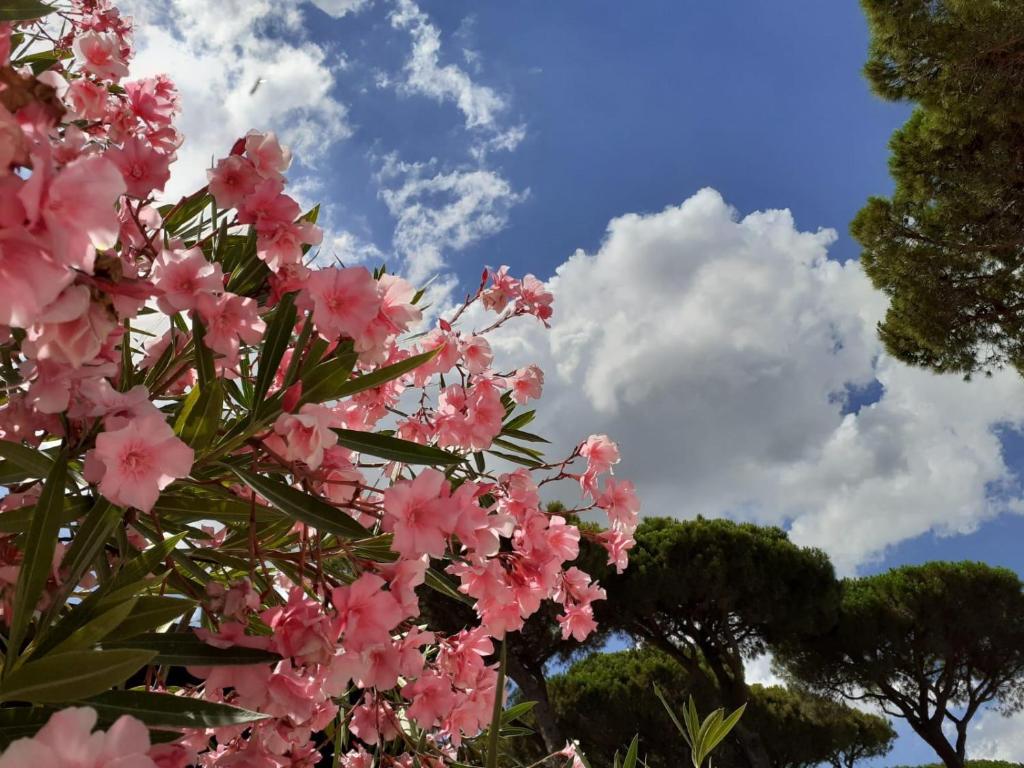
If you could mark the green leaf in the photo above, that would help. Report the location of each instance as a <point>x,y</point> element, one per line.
<point>184,210</point>
<point>95,630</point>
<point>328,380</point>
<point>200,414</point>
<point>519,421</point>
<point>149,613</point>
<point>31,462</point>
<point>38,555</point>
<point>440,583</point>
<point>24,10</point>
<point>165,710</point>
<point>188,508</point>
<point>517,711</point>
<point>203,354</point>
<point>275,343</point>
<point>141,565</point>
<point>394,449</point>
<point>21,722</point>
<point>92,534</point>
<point>18,520</point>
<point>59,677</point>
<point>631,753</point>
<point>304,507</point>
<point>388,373</point>
<point>499,688</point>
<point>185,649</point>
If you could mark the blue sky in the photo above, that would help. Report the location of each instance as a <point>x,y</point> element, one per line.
<point>732,355</point>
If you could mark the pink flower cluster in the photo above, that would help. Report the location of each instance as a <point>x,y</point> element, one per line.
<point>88,257</point>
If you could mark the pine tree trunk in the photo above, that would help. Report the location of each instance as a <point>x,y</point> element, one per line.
<point>534,688</point>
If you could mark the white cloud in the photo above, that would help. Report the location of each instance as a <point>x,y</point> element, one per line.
<point>995,737</point>
<point>439,211</point>
<point>339,8</point>
<point>216,54</point>
<point>425,74</point>
<point>717,350</point>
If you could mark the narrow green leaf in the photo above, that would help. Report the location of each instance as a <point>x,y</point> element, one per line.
<point>165,710</point>
<point>89,539</point>
<point>200,414</point>
<point>388,373</point>
<point>327,381</point>
<point>671,713</point>
<point>517,711</point>
<point>18,520</point>
<point>395,449</point>
<point>304,507</point>
<point>499,696</point>
<point>38,555</point>
<point>95,630</point>
<point>632,753</point>
<point>203,354</point>
<point>149,613</point>
<point>24,10</point>
<point>185,210</point>
<point>28,460</point>
<point>440,583</point>
<point>59,677</point>
<point>186,650</point>
<point>275,343</point>
<point>21,722</point>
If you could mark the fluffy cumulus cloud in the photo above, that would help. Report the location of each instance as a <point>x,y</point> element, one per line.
<point>424,73</point>
<point>721,352</point>
<point>996,737</point>
<point>240,64</point>
<point>339,8</point>
<point>442,211</point>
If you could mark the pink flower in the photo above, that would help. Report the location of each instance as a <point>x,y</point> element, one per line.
<point>476,353</point>
<point>577,621</point>
<point>306,434</point>
<point>527,384</point>
<point>617,544</point>
<point>232,180</point>
<point>13,143</point>
<point>100,54</point>
<point>301,629</point>
<point>345,300</point>
<point>230,319</point>
<point>79,210</point>
<point>87,99</point>
<point>29,279</point>
<point>139,460</point>
<point>154,100</point>
<point>282,246</point>
<point>184,276</point>
<point>267,208</point>
<point>421,514</point>
<point>620,503</point>
<point>67,741</point>
<point>71,330</point>
<point>432,699</point>
<point>601,453</point>
<point>145,170</point>
<point>366,613</point>
<point>266,154</point>
<point>504,288</point>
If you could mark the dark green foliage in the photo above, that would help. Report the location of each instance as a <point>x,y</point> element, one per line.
<point>713,593</point>
<point>931,644</point>
<point>947,246</point>
<point>606,698</point>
